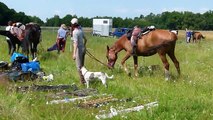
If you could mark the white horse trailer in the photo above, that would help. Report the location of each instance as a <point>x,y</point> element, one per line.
<point>102,27</point>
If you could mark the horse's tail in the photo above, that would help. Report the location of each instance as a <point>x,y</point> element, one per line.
<point>174,36</point>
<point>174,31</point>
<point>203,36</point>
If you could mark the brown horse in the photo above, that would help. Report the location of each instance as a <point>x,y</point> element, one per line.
<point>197,36</point>
<point>32,39</point>
<point>156,41</point>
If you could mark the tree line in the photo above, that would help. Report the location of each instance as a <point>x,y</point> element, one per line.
<point>165,20</point>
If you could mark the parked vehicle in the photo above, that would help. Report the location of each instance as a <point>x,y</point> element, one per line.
<point>102,27</point>
<point>119,32</point>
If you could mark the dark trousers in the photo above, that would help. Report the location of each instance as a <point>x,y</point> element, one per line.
<point>61,42</point>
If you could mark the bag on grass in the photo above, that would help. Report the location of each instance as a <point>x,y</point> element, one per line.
<point>33,66</point>
<point>20,58</point>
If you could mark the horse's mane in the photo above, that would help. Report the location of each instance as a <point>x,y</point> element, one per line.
<point>118,45</point>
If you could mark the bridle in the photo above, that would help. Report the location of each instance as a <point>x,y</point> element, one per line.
<point>85,73</point>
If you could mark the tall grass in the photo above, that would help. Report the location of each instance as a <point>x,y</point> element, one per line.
<point>189,96</point>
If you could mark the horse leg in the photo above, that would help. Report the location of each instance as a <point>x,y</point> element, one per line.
<point>175,61</point>
<point>32,50</point>
<point>9,46</point>
<point>123,63</point>
<point>166,65</point>
<point>19,45</point>
<point>136,65</point>
<point>25,48</point>
<point>13,47</point>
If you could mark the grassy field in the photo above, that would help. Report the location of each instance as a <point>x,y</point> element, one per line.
<point>188,97</point>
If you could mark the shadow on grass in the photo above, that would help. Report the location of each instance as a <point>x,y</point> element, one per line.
<point>49,56</point>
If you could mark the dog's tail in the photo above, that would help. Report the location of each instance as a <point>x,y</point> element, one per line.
<point>109,77</point>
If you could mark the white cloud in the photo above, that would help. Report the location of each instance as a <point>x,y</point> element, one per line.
<point>142,11</point>
<point>174,9</point>
<point>121,10</point>
<point>197,10</point>
<point>203,10</point>
<point>57,12</point>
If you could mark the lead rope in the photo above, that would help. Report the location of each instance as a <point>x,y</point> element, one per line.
<point>93,57</point>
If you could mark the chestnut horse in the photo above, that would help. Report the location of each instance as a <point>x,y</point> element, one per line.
<point>197,36</point>
<point>156,41</point>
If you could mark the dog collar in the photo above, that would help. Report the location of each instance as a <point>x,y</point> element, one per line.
<point>85,73</point>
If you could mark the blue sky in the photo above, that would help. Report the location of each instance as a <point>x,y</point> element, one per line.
<point>115,8</point>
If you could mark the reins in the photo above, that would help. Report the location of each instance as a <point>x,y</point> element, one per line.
<point>93,57</point>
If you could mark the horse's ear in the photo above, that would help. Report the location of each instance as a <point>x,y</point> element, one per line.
<point>107,48</point>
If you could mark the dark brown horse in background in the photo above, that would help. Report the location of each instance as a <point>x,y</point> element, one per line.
<point>32,39</point>
<point>156,41</point>
<point>14,41</point>
<point>197,36</point>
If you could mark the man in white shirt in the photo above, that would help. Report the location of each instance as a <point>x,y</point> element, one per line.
<point>79,46</point>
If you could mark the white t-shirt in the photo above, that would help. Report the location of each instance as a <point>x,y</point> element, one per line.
<point>62,33</point>
<point>78,37</point>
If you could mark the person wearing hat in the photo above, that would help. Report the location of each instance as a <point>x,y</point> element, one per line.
<point>61,38</point>
<point>79,46</point>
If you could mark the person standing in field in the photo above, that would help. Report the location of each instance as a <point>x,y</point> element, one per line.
<point>79,46</point>
<point>61,38</point>
<point>10,45</point>
<point>188,36</point>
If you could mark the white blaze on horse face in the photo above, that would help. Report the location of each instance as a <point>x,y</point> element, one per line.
<point>111,58</point>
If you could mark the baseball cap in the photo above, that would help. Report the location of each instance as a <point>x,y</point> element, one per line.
<point>74,21</point>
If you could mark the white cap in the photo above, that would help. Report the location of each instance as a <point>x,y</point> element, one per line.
<point>74,20</point>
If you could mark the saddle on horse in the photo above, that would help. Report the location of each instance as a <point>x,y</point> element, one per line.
<point>135,34</point>
<point>18,30</point>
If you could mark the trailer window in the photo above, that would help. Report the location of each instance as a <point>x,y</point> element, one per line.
<point>105,21</point>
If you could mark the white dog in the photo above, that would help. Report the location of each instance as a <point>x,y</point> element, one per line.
<point>89,76</point>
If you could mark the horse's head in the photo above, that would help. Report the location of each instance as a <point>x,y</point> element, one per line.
<point>111,57</point>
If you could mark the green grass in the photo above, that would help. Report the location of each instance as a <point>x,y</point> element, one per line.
<point>189,96</point>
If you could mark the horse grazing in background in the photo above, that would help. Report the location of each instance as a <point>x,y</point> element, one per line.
<point>197,36</point>
<point>32,39</point>
<point>14,40</point>
<point>156,41</point>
